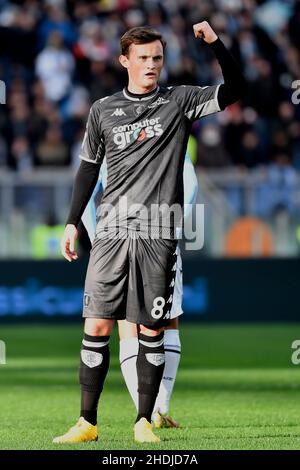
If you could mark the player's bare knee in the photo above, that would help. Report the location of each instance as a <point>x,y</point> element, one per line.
<point>98,326</point>
<point>150,331</point>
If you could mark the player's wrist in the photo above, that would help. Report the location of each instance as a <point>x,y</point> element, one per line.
<point>213,40</point>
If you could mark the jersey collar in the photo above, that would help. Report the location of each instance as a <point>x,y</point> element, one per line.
<point>141,97</point>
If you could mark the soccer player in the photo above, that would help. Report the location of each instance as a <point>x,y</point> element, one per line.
<point>128,331</point>
<point>143,132</point>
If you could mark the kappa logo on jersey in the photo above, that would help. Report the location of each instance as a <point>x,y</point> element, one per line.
<point>158,102</point>
<point>167,315</point>
<point>138,131</point>
<point>118,112</point>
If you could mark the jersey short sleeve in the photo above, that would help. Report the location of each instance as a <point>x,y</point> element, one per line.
<point>197,102</point>
<point>93,148</point>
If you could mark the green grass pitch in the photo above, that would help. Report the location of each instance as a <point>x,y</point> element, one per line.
<point>236,389</point>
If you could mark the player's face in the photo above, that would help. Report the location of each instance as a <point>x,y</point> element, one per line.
<point>144,64</point>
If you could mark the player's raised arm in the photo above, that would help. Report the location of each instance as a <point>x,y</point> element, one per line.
<point>234,86</point>
<point>92,154</point>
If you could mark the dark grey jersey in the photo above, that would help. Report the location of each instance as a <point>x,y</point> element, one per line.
<point>144,141</point>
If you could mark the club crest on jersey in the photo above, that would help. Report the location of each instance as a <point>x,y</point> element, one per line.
<point>118,112</point>
<point>139,109</point>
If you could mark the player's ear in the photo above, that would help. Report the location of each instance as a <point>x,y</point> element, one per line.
<point>123,61</point>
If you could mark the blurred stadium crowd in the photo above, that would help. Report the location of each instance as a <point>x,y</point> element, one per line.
<point>58,56</point>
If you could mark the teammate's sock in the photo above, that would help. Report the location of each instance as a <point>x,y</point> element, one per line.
<point>94,363</point>
<point>129,349</point>
<point>150,366</point>
<point>172,359</point>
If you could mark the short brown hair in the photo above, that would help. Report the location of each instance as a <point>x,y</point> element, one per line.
<point>140,35</point>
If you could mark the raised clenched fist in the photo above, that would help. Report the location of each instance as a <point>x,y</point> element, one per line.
<point>204,31</point>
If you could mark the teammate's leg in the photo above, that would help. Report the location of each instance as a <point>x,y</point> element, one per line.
<point>172,348</point>
<point>172,354</point>
<point>129,348</point>
<point>150,366</point>
<point>94,363</point>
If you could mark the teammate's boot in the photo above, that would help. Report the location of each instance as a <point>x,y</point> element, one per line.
<point>143,432</point>
<point>161,420</point>
<point>81,432</point>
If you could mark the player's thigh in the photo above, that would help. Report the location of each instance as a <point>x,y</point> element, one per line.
<point>106,280</point>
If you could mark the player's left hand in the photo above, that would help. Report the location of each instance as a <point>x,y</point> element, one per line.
<point>204,31</point>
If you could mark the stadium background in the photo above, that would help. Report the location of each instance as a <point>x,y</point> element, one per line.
<point>241,292</point>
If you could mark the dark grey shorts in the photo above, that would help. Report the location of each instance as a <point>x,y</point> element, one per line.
<point>131,278</point>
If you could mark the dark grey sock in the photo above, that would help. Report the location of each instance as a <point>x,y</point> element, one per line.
<point>150,366</point>
<point>94,363</point>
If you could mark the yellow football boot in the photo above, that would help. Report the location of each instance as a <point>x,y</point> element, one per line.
<point>143,432</point>
<point>161,420</point>
<point>81,432</point>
